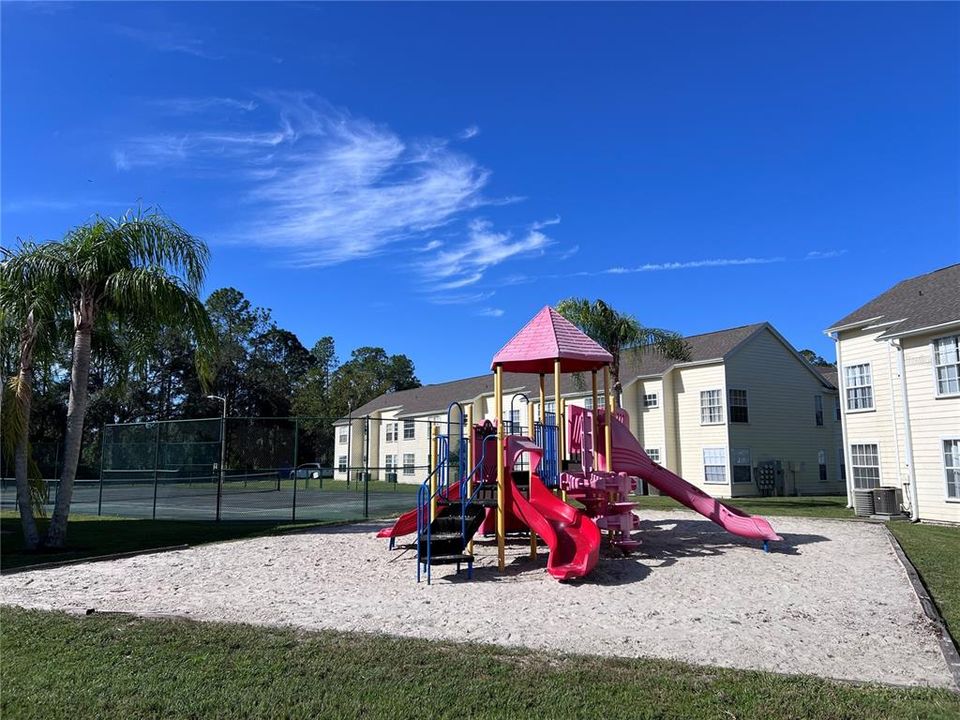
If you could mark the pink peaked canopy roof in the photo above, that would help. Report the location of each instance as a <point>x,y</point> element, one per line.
<point>548,337</point>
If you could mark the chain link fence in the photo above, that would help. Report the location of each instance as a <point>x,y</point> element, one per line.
<point>240,468</point>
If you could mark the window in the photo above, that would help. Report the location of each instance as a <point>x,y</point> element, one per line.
<point>822,462</point>
<point>408,464</point>
<point>392,431</point>
<point>342,434</point>
<point>859,387</point>
<point>342,463</point>
<point>715,465</point>
<point>836,407</point>
<point>514,426</point>
<point>742,467</point>
<point>409,431</point>
<point>711,407</point>
<point>842,463</point>
<point>951,465</point>
<point>865,461</point>
<point>588,402</point>
<point>818,409</point>
<point>946,360</point>
<point>651,400</point>
<point>653,454</point>
<point>550,406</point>
<point>390,462</point>
<point>738,406</point>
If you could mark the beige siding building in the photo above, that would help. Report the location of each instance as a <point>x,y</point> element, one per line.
<point>744,401</point>
<point>899,361</point>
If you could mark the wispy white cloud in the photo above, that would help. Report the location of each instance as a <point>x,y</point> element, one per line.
<point>325,187</point>
<point>466,262</point>
<point>469,132</point>
<point>540,224</point>
<point>687,265</point>
<point>192,106</point>
<point>167,39</point>
<point>60,204</point>
<point>490,312</point>
<point>568,253</point>
<point>824,254</point>
<point>462,298</point>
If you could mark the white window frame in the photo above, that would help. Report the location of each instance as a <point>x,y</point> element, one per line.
<point>588,402</point>
<point>746,404</point>
<point>409,468</point>
<point>734,464</point>
<point>854,466</point>
<point>342,464</point>
<point>649,404</point>
<point>550,406</point>
<point>411,426</point>
<point>716,453</point>
<point>651,452</point>
<point>392,432</point>
<point>937,366</point>
<point>707,412</point>
<point>947,468</point>
<point>822,466</point>
<point>847,388</point>
<point>343,434</point>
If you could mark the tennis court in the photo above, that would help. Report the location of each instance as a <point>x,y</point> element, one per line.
<point>252,496</point>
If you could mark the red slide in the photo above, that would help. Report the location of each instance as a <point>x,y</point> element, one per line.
<point>573,538</point>
<point>407,523</point>
<point>629,457</point>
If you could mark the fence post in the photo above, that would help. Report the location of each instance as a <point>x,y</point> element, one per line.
<point>103,447</point>
<point>296,437</point>
<point>366,467</point>
<point>223,454</point>
<point>156,472</point>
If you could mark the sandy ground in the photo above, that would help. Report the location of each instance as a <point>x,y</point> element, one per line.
<point>832,600</point>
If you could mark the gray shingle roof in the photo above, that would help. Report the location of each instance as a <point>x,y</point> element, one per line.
<point>829,374</point>
<point>920,302</point>
<point>436,397</point>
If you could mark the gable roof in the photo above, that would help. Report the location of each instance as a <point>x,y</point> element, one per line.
<point>437,397</point>
<point>549,337</point>
<point>829,374</point>
<point>918,303</point>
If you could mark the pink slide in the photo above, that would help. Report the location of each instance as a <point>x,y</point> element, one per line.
<point>629,457</point>
<point>573,538</point>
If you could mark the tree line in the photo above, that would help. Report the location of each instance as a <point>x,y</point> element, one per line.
<point>108,326</point>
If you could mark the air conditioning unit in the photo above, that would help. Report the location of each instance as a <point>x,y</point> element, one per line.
<point>863,503</point>
<point>885,501</point>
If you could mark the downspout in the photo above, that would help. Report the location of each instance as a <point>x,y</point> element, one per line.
<point>893,409</point>
<point>907,436</point>
<point>848,470</point>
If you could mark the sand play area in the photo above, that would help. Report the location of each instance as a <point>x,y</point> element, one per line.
<point>831,600</point>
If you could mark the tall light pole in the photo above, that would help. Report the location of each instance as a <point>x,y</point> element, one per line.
<point>223,448</point>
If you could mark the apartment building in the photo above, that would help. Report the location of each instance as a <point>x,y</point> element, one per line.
<point>899,362</point>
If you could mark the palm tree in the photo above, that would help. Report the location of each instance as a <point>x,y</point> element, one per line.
<point>617,332</point>
<point>141,270</point>
<point>28,309</point>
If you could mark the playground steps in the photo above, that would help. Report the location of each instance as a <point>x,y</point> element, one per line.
<point>449,533</point>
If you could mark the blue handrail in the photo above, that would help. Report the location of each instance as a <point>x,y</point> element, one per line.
<point>424,500</point>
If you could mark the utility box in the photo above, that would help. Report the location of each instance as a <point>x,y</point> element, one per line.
<point>770,477</point>
<point>885,501</point>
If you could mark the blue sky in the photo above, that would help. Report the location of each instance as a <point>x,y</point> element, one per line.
<point>426,177</point>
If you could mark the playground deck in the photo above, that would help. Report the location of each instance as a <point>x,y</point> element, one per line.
<point>832,600</point>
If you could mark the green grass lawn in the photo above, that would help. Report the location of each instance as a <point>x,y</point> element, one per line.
<point>935,552</point>
<point>89,536</point>
<point>116,666</point>
<point>824,506</point>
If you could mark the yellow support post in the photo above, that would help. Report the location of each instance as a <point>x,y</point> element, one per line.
<point>434,462</point>
<point>608,425</point>
<point>469,464</point>
<point>533,535</point>
<point>594,423</point>
<point>501,474</point>
<point>562,441</point>
<point>556,413</point>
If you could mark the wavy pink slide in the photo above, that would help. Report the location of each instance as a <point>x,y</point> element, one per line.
<point>573,538</point>
<point>629,457</point>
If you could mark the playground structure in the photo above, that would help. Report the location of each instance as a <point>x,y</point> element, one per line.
<point>503,483</point>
